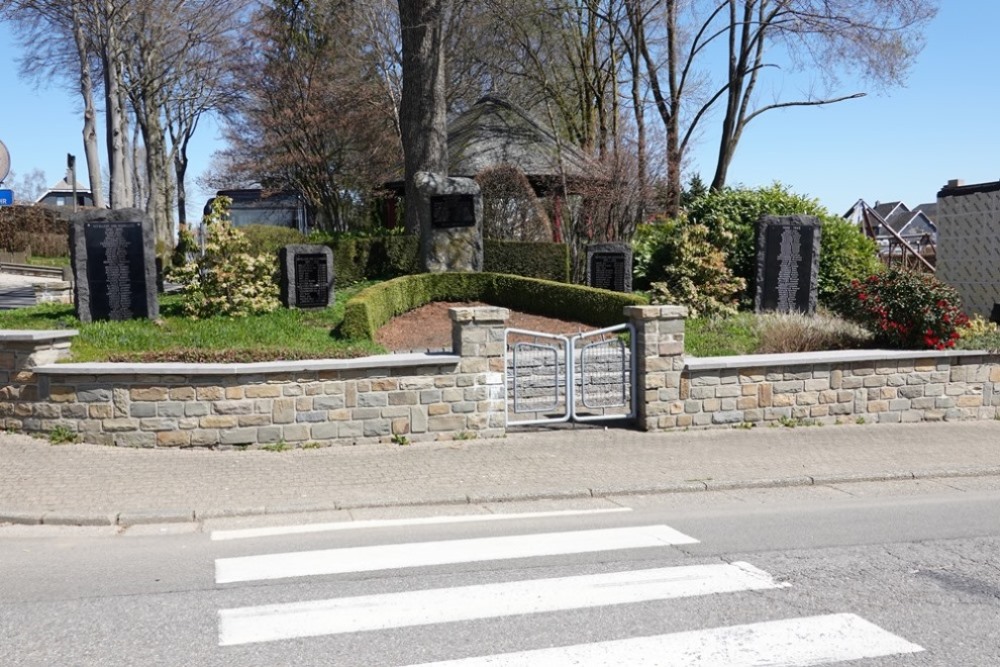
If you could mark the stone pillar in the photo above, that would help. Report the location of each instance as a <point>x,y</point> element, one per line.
<point>477,336</point>
<point>21,390</point>
<point>659,352</point>
<point>451,223</point>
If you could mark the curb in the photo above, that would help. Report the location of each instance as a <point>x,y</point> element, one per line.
<point>125,519</point>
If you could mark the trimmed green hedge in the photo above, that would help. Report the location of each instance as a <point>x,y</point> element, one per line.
<point>375,306</point>
<point>548,261</point>
<point>384,257</point>
<point>374,258</point>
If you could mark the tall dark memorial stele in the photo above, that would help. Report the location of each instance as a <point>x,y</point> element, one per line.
<point>306,276</point>
<point>787,263</point>
<point>609,266</point>
<point>451,223</point>
<point>113,255</point>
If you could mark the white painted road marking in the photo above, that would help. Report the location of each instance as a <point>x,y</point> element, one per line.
<point>419,554</point>
<point>797,642</point>
<point>244,533</point>
<point>449,605</point>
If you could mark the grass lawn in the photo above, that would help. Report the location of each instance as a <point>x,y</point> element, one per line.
<point>283,334</point>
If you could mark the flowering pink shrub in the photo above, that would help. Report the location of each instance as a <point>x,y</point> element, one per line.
<point>904,309</point>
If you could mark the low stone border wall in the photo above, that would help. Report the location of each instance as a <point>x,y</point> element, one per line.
<point>414,396</point>
<point>463,395</point>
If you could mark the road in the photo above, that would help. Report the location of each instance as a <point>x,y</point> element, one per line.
<point>894,573</point>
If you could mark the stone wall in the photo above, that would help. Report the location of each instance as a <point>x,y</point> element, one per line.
<point>836,388</point>
<point>463,395</point>
<point>374,399</point>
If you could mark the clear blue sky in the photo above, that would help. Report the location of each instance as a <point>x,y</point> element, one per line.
<point>903,144</point>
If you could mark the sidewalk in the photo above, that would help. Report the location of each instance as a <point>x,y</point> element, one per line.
<point>95,485</point>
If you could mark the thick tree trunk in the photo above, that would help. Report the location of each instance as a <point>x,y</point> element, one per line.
<point>422,111</point>
<point>115,132</point>
<point>90,148</point>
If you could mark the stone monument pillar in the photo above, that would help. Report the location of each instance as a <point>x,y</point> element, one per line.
<point>451,223</point>
<point>787,263</point>
<point>113,255</point>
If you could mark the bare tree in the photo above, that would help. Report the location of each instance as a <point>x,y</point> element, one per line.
<point>678,42</point>
<point>315,114</point>
<point>876,38</point>
<point>57,44</point>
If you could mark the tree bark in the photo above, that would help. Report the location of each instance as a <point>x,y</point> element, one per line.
<point>423,122</point>
<point>90,148</point>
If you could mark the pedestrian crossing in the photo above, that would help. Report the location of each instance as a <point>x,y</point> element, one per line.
<point>808,640</point>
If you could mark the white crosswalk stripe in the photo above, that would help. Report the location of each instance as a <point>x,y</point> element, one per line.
<point>815,640</point>
<point>464,603</point>
<point>421,554</point>
<point>792,642</point>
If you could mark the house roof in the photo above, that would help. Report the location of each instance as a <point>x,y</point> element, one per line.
<point>65,186</point>
<point>495,132</point>
<point>889,208</point>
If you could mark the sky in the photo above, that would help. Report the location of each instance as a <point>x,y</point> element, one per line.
<point>903,144</point>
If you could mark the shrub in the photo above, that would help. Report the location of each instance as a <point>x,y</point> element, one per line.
<point>979,334</point>
<point>904,309</point>
<point>782,333</point>
<point>373,307</point>
<point>845,254</point>
<point>548,261</point>
<point>40,229</point>
<point>510,209</point>
<point>269,239</point>
<point>688,270</point>
<point>357,258</point>
<point>226,279</point>
<point>731,216</point>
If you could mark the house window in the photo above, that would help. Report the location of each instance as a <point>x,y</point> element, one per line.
<point>60,201</point>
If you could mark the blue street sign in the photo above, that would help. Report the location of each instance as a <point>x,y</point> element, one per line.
<point>6,197</point>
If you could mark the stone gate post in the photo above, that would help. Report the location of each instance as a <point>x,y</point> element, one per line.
<point>659,354</point>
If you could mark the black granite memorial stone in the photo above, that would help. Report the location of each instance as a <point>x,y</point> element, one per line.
<point>609,266</point>
<point>113,265</point>
<point>306,276</point>
<point>787,264</point>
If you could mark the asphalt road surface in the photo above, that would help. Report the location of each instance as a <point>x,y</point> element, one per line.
<point>874,574</point>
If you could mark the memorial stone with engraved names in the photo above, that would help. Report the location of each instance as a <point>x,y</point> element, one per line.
<point>306,274</point>
<point>113,257</point>
<point>451,223</point>
<point>609,266</point>
<point>788,264</point>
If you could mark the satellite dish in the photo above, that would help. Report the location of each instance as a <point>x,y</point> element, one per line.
<point>4,162</point>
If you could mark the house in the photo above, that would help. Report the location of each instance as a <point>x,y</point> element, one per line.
<point>969,244</point>
<point>495,132</point>
<point>61,194</point>
<point>889,222</point>
<point>264,207</point>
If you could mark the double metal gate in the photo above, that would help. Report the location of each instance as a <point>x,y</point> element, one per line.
<point>586,377</point>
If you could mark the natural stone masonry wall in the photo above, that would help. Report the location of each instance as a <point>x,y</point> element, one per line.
<point>818,387</point>
<point>419,396</point>
<point>830,388</point>
<point>444,396</point>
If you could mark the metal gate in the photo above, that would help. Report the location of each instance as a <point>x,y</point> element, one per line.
<point>586,377</point>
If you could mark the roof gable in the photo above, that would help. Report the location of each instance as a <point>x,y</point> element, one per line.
<point>495,132</point>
